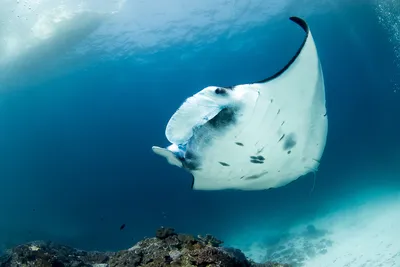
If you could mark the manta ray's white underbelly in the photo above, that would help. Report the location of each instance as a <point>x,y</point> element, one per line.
<point>272,142</point>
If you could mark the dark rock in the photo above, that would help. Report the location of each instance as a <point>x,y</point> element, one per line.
<point>129,258</point>
<point>48,254</point>
<point>163,233</point>
<point>186,239</point>
<point>210,240</point>
<point>167,249</point>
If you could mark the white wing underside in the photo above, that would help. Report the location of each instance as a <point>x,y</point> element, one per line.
<point>282,121</point>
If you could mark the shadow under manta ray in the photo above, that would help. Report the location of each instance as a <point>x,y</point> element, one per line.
<point>254,136</point>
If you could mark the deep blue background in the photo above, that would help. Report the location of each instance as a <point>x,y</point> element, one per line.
<point>75,152</point>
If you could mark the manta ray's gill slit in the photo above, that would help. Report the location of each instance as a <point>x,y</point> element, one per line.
<point>280,139</point>
<point>252,114</point>
<point>283,122</point>
<point>271,108</point>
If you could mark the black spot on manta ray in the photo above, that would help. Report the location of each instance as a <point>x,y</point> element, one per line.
<point>191,161</point>
<point>224,164</point>
<point>223,119</point>
<point>190,155</point>
<point>255,176</point>
<point>257,158</point>
<point>220,91</point>
<point>239,144</point>
<point>256,161</point>
<point>290,141</point>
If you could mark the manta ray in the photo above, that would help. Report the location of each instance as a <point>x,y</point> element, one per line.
<point>253,136</point>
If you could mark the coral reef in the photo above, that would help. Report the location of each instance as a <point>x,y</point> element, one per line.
<point>166,249</point>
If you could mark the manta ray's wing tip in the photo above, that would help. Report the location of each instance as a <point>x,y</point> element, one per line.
<point>301,22</point>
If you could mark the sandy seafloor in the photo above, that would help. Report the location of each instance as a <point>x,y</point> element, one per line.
<point>363,234</point>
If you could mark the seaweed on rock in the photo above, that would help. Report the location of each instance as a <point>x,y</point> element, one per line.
<point>166,249</point>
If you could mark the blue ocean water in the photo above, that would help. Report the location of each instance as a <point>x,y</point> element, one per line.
<point>87,89</point>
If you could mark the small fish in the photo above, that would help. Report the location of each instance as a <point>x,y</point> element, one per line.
<point>122,227</point>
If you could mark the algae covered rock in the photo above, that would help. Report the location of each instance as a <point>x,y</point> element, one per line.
<point>48,254</point>
<point>167,248</point>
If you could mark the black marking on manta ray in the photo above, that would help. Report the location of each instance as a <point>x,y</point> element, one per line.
<point>256,161</point>
<point>256,176</point>
<point>223,119</point>
<point>260,158</point>
<point>290,141</point>
<point>191,161</point>
<point>224,164</point>
<point>190,155</point>
<point>191,165</point>
<point>239,144</point>
<point>280,139</point>
<point>220,91</point>
<point>300,22</point>
<point>289,152</point>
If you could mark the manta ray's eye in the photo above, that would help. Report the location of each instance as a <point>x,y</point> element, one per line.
<point>220,91</point>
